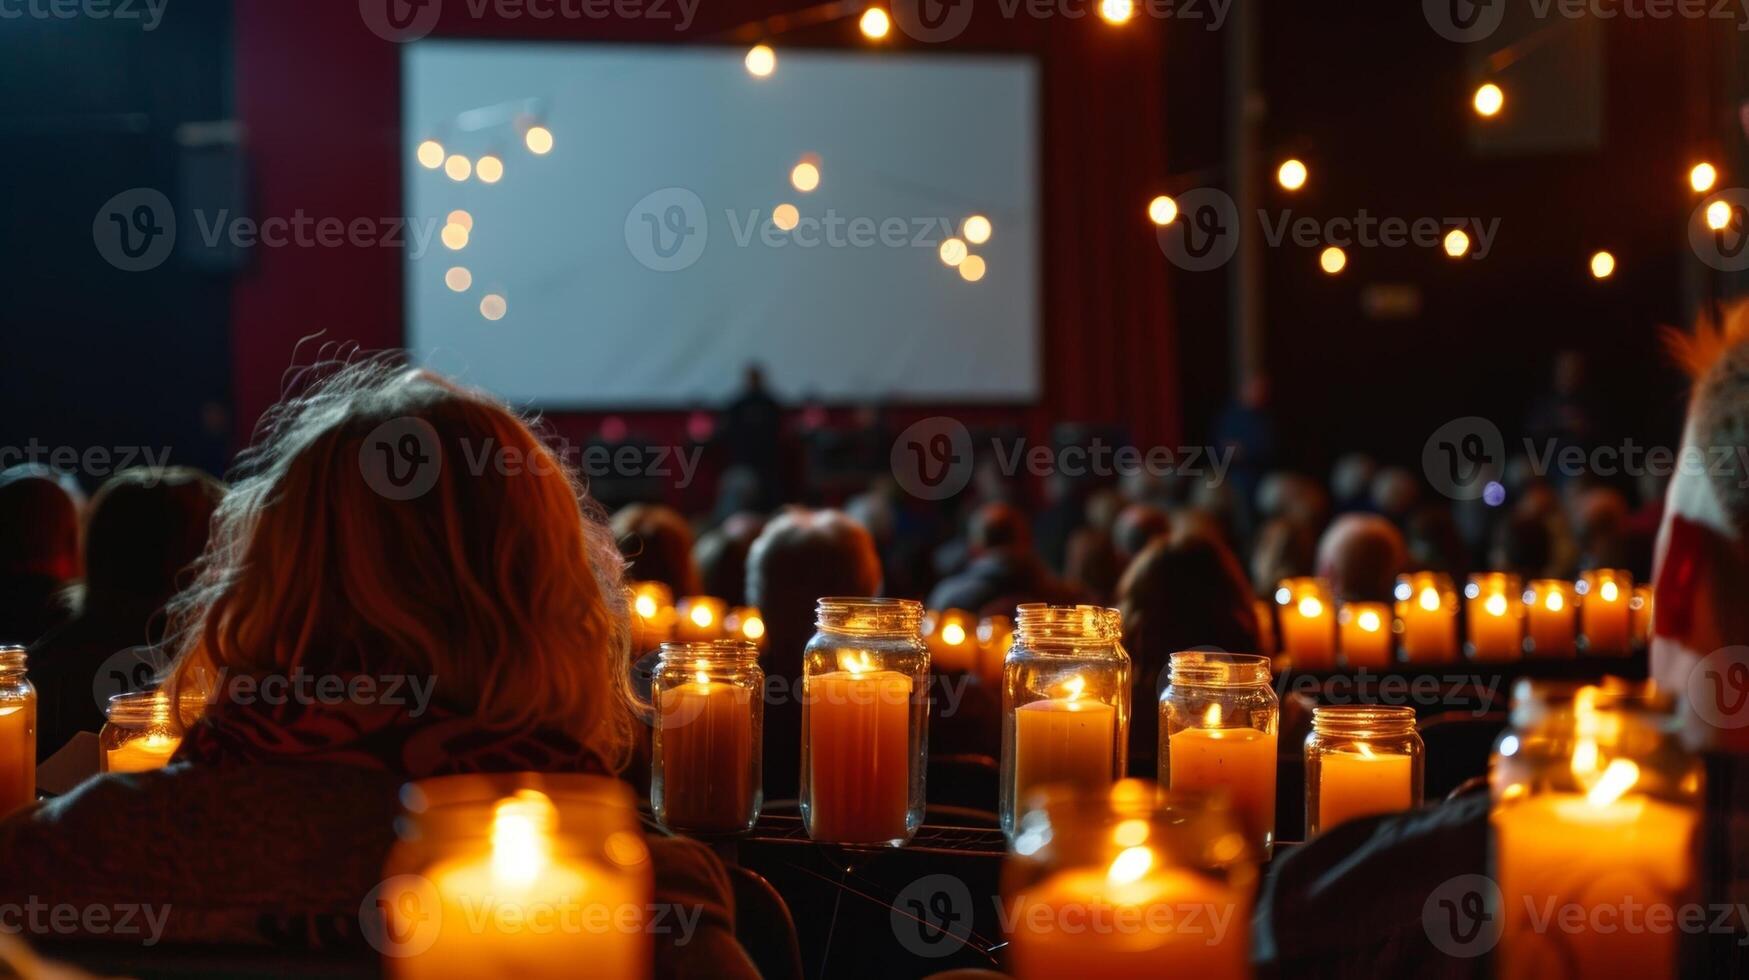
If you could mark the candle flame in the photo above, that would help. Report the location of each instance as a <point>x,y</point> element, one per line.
<point>953,634</point>
<point>1609,592</point>
<point>645,606</point>
<point>1430,599</point>
<point>1310,607</point>
<point>753,627</point>
<point>1369,621</point>
<point>1620,777</point>
<point>1075,686</point>
<point>1130,865</point>
<point>1495,605</point>
<point>703,676</point>
<point>701,615</point>
<point>1365,750</point>
<point>857,663</point>
<point>1212,717</point>
<point>522,827</point>
<point>1554,603</point>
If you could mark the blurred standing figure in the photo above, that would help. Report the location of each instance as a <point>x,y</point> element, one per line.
<point>147,527</point>
<point>752,428</point>
<point>39,551</point>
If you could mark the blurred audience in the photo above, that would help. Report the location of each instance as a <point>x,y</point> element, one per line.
<point>721,557</point>
<point>1284,549</point>
<point>1003,570</point>
<point>657,544</point>
<point>1361,556</point>
<point>39,550</point>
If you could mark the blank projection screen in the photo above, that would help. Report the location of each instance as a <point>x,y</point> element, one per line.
<point>640,261</point>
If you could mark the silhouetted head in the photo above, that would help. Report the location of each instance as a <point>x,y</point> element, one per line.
<point>146,529</point>
<point>657,544</point>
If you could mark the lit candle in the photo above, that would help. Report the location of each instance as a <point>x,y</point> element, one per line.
<point>953,647</point>
<point>652,615</point>
<point>1063,740</point>
<point>706,744</point>
<point>1495,606</point>
<point>745,623</point>
<point>17,755</point>
<point>1598,850</point>
<point>1641,605</point>
<point>1159,922</point>
<point>1363,783</point>
<point>143,754</point>
<point>1241,760</point>
<point>1366,634</point>
<point>858,752</point>
<point>1604,616</point>
<point>1427,607</point>
<point>1308,623</point>
<point>700,618</point>
<point>1550,606</point>
<point>520,907</point>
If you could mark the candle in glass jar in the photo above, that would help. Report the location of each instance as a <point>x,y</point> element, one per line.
<point>143,754</point>
<point>1052,937</point>
<point>1571,850</point>
<point>1495,606</point>
<point>653,615</point>
<point>1363,783</point>
<point>707,754</point>
<point>1307,623</point>
<point>1550,611</point>
<point>1429,620</point>
<point>953,647</point>
<point>1366,634</point>
<point>1063,740</point>
<point>523,909</point>
<point>1604,616</point>
<point>700,619</point>
<point>17,755</point>
<point>1241,760</point>
<point>858,754</point>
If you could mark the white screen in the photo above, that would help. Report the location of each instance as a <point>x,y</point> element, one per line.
<point>908,147</point>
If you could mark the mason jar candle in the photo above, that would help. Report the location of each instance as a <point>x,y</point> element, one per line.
<point>1065,703</point>
<point>1129,881</point>
<point>653,615</point>
<point>1219,720</point>
<point>1427,617</point>
<point>141,733</point>
<point>1307,620</point>
<point>700,617</point>
<point>1365,635</point>
<point>1494,609</point>
<point>952,636</point>
<point>1361,760</point>
<point>1551,607</point>
<point>515,874</point>
<point>865,718</point>
<point>17,731</point>
<point>745,623</point>
<point>1604,616</point>
<point>704,767</point>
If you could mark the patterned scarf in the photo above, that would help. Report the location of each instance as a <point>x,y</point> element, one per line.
<point>388,737</point>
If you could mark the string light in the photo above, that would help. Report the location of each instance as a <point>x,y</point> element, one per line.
<point>493,306</point>
<point>1602,265</point>
<point>1291,175</point>
<point>875,24</point>
<point>972,268</point>
<point>1333,260</point>
<point>1116,11</point>
<point>458,168</point>
<point>953,252</point>
<point>539,140</point>
<point>1703,177</point>
<point>458,279</point>
<point>761,61</point>
<point>976,229</point>
<point>490,169</point>
<point>1162,210</point>
<point>430,154</point>
<point>805,177</point>
<point>786,216</point>
<point>1489,100</point>
<point>1457,243</point>
<point>1718,215</point>
<point>455,237</point>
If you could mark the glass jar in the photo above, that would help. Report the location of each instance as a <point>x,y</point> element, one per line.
<point>1065,703</point>
<point>1361,760</point>
<point>1551,612</point>
<point>865,721</point>
<point>1596,807</point>
<point>1219,721</point>
<point>1427,617</point>
<point>1127,882</point>
<point>514,874</point>
<point>1494,609</point>
<point>704,768</point>
<point>141,734</point>
<point>1307,621</point>
<point>17,731</point>
<point>1605,619</point>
